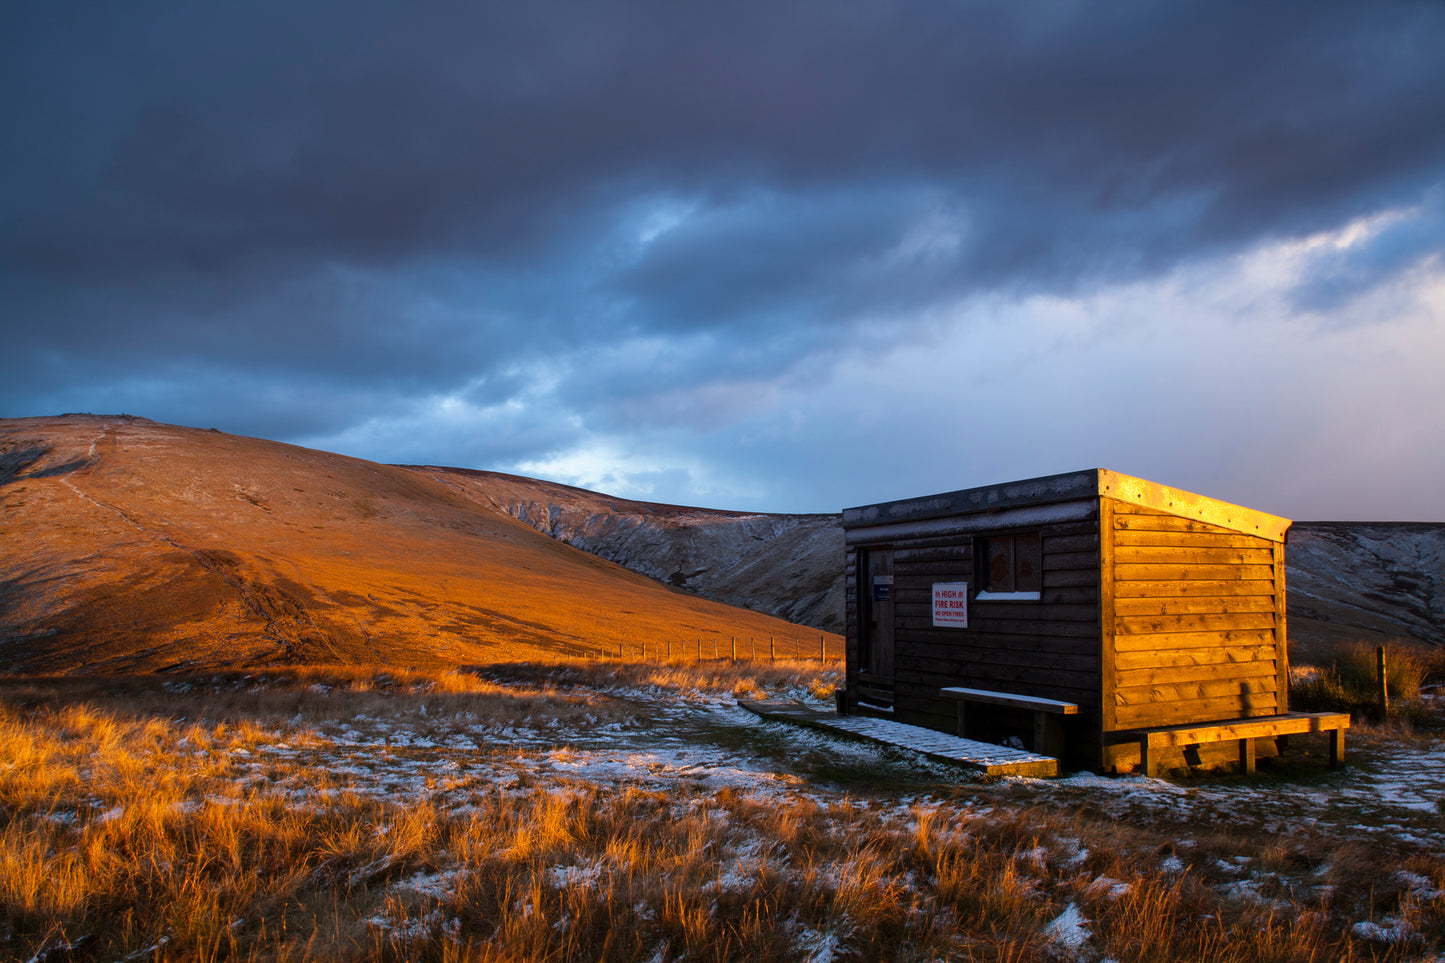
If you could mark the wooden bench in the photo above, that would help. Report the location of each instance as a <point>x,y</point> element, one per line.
<point>1048,726</point>
<point>1151,741</point>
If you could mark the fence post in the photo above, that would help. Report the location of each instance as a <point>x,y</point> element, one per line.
<point>1384,692</point>
<point>735,648</point>
<point>772,650</point>
<point>699,648</point>
<point>822,649</point>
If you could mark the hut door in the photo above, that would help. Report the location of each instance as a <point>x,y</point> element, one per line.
<point>878,602</point>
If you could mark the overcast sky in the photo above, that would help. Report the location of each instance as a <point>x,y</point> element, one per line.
<point>784,256</point>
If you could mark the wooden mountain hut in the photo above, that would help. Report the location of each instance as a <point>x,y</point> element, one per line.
<point>1098,618</point>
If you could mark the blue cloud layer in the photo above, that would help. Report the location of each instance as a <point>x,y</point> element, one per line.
<point>508,235</point>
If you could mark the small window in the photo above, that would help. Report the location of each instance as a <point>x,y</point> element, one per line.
<point>1010,567</point>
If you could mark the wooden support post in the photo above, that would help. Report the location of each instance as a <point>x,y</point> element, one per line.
<point>1148,761</point>
<point>1246,756</point>
<point>1383,694</point>
<point>772,650</point>
<point>962,724</point>
<point>822,649</point>
<point>1337,747</point>
<point>1048,734</point>
<point>735,648</point>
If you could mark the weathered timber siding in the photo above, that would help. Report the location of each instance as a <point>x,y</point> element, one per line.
<point>1197,628</point>
<point>1048,648</point>
<point>851,650</point>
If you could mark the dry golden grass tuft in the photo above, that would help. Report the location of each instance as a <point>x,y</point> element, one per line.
<point>136,827</point>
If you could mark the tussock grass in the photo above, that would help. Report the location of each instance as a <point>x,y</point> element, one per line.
<point>133,824</point>
<point>1347,680</point>
<point>742,678</point>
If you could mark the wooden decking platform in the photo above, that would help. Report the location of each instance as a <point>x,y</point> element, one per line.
<point>994,760</point>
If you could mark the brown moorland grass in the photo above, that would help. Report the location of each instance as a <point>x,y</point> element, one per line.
<point>133,546</point>
<point>184,818</point>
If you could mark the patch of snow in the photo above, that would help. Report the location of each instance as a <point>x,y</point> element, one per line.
<point>437,885</point>
<point>579,877</point>
<point>1106,887</point>
<point>1388,930</point>
<point>1038,857</point>
<point>1069,930</point>
<point>1418,885</point>
<point>1247,891</point>
<point>820,947</point>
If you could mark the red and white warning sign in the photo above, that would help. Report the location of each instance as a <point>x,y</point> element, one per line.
<point>950,605</point>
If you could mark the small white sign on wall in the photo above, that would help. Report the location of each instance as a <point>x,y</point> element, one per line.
<point>950,605</point>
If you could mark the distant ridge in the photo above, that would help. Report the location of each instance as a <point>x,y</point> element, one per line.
<point>135,546</point>
<point>790,566</point>
<point>1367,580</point>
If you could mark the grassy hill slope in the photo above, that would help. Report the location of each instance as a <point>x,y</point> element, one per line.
<point>790,566</point>
<point>131,545</point>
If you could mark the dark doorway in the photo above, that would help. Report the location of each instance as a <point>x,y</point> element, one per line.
<point>877,597</point>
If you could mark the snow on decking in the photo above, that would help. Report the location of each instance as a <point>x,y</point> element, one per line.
<point>992,759</point>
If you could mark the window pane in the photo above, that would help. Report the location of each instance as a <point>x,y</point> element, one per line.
<point>1000,550</point>
<point>1028,563</point>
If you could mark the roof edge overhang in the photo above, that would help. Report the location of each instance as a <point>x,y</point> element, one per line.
<point>1176,501</point>
<point>1090,485</point>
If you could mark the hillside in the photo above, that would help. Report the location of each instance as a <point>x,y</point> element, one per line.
<point>1367,580</point>
<point>790,566</point>
<point>131,545</point>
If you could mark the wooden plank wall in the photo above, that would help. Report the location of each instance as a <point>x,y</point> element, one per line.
<point>851,651</point>
<point>1198,621</point>
<point>1048,648</point>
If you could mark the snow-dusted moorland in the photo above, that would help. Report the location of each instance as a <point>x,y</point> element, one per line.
<point>631,811</point>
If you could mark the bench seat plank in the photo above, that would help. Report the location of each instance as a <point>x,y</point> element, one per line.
<point>1048,728</point>
<point>1242,730</point>
<point>1282,725</point>
<point>1009,699</point>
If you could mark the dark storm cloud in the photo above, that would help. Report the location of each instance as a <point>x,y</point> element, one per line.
<point>335,211</point>
<point>1396,247</point>
<point>195,139</point>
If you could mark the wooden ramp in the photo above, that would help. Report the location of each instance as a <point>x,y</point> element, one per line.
<point>983,756</point>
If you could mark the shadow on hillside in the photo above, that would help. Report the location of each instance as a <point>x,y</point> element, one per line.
<point>16,590</point>
<point>13,464</point>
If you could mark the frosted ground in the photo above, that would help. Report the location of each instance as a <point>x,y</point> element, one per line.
<point>691,745</point>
